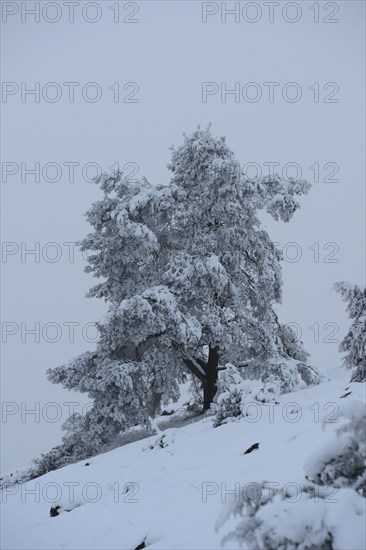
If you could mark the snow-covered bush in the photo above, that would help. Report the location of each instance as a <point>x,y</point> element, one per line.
<point>269,392</point>
<point>162,441</point>
<point>271,518</point>
<point>306,515</point>
<point>230,404</point>
<point>342,462</point>
<point>354,343</point>
<point>304,519</point>
<point>235,393</point>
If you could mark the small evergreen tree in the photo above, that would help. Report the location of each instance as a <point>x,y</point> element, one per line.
<point>235,393</point>
<point>354,343</point>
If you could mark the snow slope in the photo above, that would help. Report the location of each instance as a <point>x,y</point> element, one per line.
<point>170,495</point>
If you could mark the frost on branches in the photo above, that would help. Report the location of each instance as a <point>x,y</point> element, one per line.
<point>354,343</point>
<point>190,279</point>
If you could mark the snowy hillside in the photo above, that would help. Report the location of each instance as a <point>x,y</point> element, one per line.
<point>175,490</point>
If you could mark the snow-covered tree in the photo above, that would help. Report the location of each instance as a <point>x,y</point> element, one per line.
<point>190,279</point>
<point>354,343</point>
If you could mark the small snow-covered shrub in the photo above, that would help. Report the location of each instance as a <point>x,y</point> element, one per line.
<point>162,441</point>
<point>235,393</point>
<point>271,519</point>
<point>307,518</point>
<point>268,392</point>
<point>342,463</point>
<point>230,406</point>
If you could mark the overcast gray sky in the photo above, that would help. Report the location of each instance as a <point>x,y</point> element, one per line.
<point>149,67</point>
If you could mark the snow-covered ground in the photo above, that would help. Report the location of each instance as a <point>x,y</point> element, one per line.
<point>170,495</point>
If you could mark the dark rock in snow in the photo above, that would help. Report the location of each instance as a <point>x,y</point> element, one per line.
<point>252,448</point>
<point>56,510</point>
<point>345,394</point>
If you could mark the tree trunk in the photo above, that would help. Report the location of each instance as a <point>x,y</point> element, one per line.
<point>210,381</point>
<point>206,372</point>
